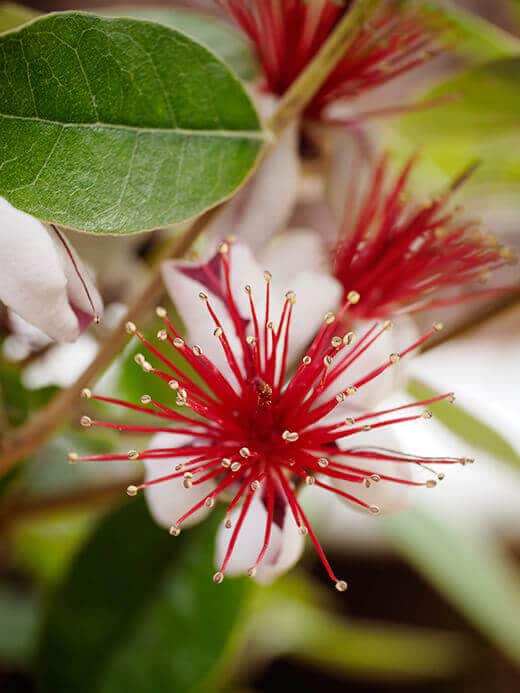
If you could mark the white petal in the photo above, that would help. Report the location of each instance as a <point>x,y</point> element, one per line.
<point>316,294</point>
<point>32,281</point>
<point>482,369</point>
<point>285,547</point>
<point>305,249</point>
<point>403,334</point>
<point>169,500</point>
<point>62,364</point>
<point>388,496</point>
<point>81,290</point>
<point>263,206</point>
<point>350,167</point>
<point>484,495</point>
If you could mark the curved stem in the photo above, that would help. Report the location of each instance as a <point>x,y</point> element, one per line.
<point>23,441</point>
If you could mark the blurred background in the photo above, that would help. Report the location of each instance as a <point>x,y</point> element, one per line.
<point>94,598</point>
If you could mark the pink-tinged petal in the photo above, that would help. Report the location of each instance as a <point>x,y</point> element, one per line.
<point>32,281</point>
<point>263,206</point>
<point>83,295</point>
<point>285,546</point>
<point>184,291</point>
<point>482,370</point>
<point>169,500</point>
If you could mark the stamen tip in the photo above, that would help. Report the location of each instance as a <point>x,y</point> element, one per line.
<point>252,571</point>
<point>86,393</point>
<point>72,457</point>
<point>329,318</point>
<point>341,586</point>
<point>174,531</point>
<point>133,455</point>
<point>353,297</point>
<point>130,328</point>
<point>161,312</point>
<point>218,577</point>
<point>132,490</point>
<point>86,421</point>
<point>375,509</point>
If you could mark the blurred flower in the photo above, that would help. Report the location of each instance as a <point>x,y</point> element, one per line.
<point>263,206</point>
<point>42,279</point>
<point>254,435</point>
<point>287,36</point>
<point>404,256</point>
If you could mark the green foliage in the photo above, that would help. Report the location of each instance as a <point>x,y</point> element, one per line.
<point>291,621</point>
<point>16,401</point>
<point>128,126</point>
<point>481,120</point>
<point>19,626</point>
<point>139,611</point>
<point>13,15</point>
<point>471,573</point>
<point>471,35</point>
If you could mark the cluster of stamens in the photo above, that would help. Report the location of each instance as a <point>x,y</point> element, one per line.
<point>402,254</point>
<point>287,36</point>
<point>259,430</point>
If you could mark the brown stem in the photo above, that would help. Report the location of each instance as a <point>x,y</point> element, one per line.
<point>32,506</point>
<point>23,441</point>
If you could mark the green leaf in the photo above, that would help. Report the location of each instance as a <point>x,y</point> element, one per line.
<point>472,35</point>
<point>221,38</point>
<point>471,573</point>
<point>12,15</point>
<point>140,612</point>
<point>482,120</point>
<point>16,401</point>
<point>20,614</point>
<point>478,433</point>
<point>119,125</point>
<point>289,620</point>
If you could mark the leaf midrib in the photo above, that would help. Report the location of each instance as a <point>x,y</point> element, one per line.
<point>238,134</point>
